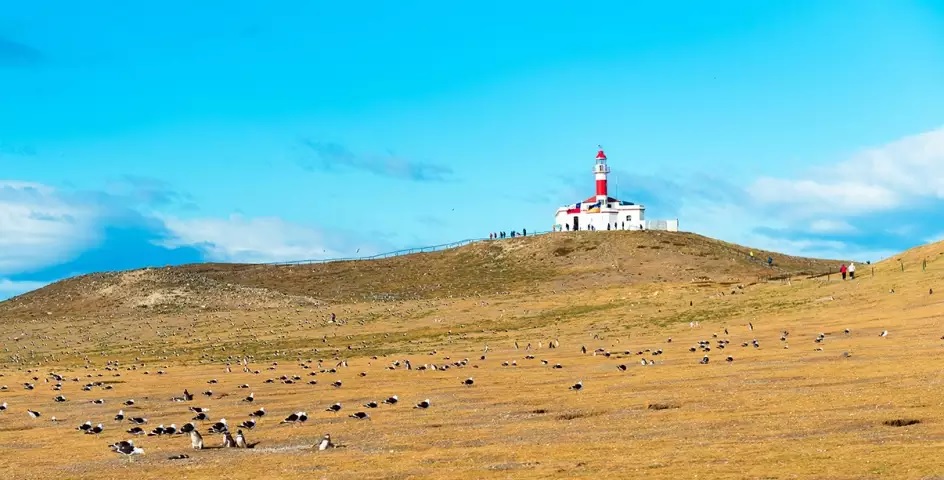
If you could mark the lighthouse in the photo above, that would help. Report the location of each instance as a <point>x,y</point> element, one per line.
<point>600,170</point>
<point>603,212</point>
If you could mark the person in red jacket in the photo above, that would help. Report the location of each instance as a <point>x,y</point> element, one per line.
<point>843,271</point>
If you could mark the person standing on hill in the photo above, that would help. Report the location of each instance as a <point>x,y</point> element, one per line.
<point>851,271</point>
<point>842,270</point>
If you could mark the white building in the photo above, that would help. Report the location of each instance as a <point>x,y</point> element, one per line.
<point>603,212</point>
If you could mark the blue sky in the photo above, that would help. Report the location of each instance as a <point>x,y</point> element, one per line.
<point>136,134</point>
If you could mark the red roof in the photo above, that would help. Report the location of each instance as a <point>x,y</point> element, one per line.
<point>601,155</point>
<point>593,199</point>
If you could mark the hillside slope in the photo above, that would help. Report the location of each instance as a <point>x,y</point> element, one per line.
<point>812,378</point>
<point>928,253</point>
<point>562,261</point>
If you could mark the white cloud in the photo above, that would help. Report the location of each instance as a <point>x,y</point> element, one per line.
<point>739,224</point>
<point>877,179</point>
<point>256,240</point>
<point>812,197</point>
<point>793,215</point>
<point>831,226</point>
<point>912,166</point>
<point>9,288</point>
<point>41,226</point>
<point>748,226</point>
<point>38,226</point>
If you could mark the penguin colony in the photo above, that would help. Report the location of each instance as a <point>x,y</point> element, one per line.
<point>200,418</point>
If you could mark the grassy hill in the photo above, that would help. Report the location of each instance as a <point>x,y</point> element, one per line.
<point>821,394</point>
<point>562,261</point>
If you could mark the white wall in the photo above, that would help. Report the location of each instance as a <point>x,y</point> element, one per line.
<point>616,219</point>
<point>666,225</point>
<point>635,212</point>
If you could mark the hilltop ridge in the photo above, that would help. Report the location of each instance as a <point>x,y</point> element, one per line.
<point>927,252</point>
<point>559,261</point>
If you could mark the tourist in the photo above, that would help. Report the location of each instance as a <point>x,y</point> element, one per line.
<point>851,271</point>
<point>842,270</point>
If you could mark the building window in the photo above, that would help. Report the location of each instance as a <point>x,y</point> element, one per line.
<point>629,218</point>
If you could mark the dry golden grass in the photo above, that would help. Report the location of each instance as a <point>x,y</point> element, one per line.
<point>773,412</point>
<point>569,260</point>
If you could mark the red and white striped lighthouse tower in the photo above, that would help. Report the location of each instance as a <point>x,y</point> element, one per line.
<point>600,169</point>
<point>603,212</point>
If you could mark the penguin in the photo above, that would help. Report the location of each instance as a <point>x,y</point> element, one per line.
<point>196,440</point>
<point>228,441</point>
<point>240,439</point>
<point>325,442</point>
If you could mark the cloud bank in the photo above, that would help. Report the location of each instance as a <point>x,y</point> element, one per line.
<point>47,234</point>
<point>868,206</point>
<point>881,179</point>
